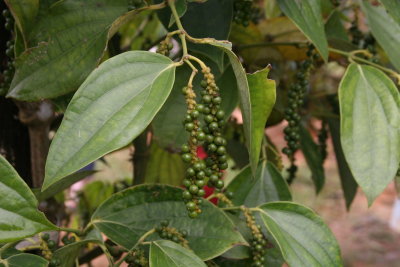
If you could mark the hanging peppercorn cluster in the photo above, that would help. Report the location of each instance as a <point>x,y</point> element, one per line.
<point>8,71</point>
<point>200,172</point>
<point>137,258</point>
<point>322,137</point>
<point>172,234</point>
<point>292,111</point>
<point>259,243</point>
<point>245,11</point>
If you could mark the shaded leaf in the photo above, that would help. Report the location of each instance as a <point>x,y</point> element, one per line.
<point>24,13</point>
<point>370,127</point>
<point>200,21</point>
<point>266,186</point>
<point>129,214</point>
<point>306,14</point>
<point>164,167</point>
<point>68,253</point>
<point>334,27</point>
<point>313,157</point>
<point>168,253</point>
<point>113,106</point>
<point>181,7</point>
<point>385,30</point>
<point>302,236</point>
<point>19,216</point>
<point>349,185</point>
<point>262,98</point>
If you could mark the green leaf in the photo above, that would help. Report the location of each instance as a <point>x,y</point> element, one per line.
<point>334,27</point>
<point>302,236</point>
<point>385,30</point>
<point>393,8</point>
<point>181,7</point>
<point>313,157</point>
<point>306,14</point>
<point>244,100</point>
<point>349,185</point>
<point>266,186</point>
<point>262,98</point>
<point>66,42</point>
<point>24,13</point>
<point>168,253</point>
<point>113,106</point>
<point>129,214</point>
<point>25,260</point>
<point>95,193</point>
<point>19,216</point>
<point>67,254</point>
<point>370,127</point>
<point>62,184</point>
<point>164,167</point>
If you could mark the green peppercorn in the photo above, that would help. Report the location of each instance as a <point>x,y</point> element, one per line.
<point>193,214</point>
<point>213,126</point>
<point>186,195</point>
<point>191,206</point>
<point>200,183</point>
<point>219,184</point>
<point>186,182</point>
<point>186,157</point>
<point>193,189</point>
<point>214,178</point>
<point>201,193</point>
<point>207,99</point>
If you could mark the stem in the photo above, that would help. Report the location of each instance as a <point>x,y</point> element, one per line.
<point>171,4</point>
<point>352,57</point>
<point>200,62</point>
<point>137,244</point>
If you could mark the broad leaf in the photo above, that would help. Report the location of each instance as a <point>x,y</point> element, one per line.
<point>385,30</point>
<point>306,14</point>
<point>302,236</point>
<point>370,127</point>
<point>393,8</point>
<point>25,260</point>
<point>266,186</point>
<point>244,100</point>
<point>349,185</point>
<point>24,13</point>
<point>313,157</point>
<point>113,106</point>
<point>19,216</point>
<point>66,42</point>
<point>262,98</point>
<point>129,214</point>
<point>168,253</point>
<point>164,167</point>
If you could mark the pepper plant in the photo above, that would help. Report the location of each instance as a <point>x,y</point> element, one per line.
<point>95,76</point>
